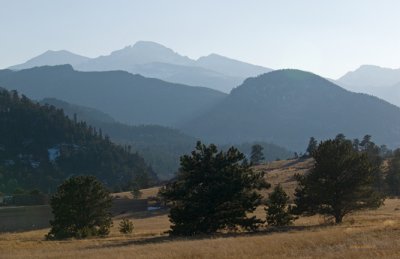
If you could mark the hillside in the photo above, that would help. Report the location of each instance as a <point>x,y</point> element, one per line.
<point>161,147</point>
<point>287,107</point>
<point>131,99</point>
<point>40,147</point>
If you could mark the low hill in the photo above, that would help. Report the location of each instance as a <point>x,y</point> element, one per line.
<point>287,107</point>
<point>40,147</point>
<point>131,99</point>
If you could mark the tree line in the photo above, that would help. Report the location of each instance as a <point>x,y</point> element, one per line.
<point>219,190</point>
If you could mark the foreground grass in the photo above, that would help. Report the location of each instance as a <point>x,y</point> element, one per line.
<point>369,234</point>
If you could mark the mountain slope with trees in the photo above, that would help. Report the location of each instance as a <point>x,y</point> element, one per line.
<point>161,147</point>
<point>40,147</point>
<point>286,107</point>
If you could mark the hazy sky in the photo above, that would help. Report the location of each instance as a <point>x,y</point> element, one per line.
<point>326,37</point>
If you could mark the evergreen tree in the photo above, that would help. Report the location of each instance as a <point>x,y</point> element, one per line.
<point>81,208</point>
<point>213,190</point>
<point>341,181</point>
<point>312,146</point>
<point>278,210</point>
<point>356,144</point>
<point>393,176</point>
<point>256,154</point>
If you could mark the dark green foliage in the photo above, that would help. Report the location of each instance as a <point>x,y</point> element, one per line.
<point>213,190</point>
<point>81,208</point>
<point>393,176</point>
<point>341,181</point>
<point>30,133</point>
<point>257,154</point>
<point>126,226</point>
<point>312,146</point>
<point>278,209</point>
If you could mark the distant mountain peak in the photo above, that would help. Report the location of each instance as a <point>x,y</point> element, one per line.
<point>52,58</point>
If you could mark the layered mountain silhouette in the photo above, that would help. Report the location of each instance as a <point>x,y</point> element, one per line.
<point>284,107</point>
<point>151,59</point>
<point>378,81</point>
<point>128,98</point>
<point>287,107</point>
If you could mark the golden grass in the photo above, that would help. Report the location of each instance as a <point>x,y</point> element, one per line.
<point>146,193</point>
<point>367,234</point>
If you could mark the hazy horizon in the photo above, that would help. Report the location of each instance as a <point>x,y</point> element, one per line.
<point>329,39</point>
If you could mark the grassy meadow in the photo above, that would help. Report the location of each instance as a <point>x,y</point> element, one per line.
<point>367,234</point>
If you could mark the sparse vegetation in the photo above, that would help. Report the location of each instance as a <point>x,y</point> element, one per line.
<point>126,226</point>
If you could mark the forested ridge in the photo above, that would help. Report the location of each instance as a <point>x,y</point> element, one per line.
<point>40,147</point>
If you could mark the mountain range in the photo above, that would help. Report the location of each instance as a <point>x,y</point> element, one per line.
<point>378,81</point>
<point>284,107</point>
<point>214,71</point>
<point>151,59</point>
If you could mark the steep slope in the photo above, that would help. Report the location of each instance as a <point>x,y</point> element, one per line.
<point>286,107</point>
<point>52,58</point>
<point>160,146</point>
<point>40,147</point>
<point>131,99</point>
<point>78,112</point>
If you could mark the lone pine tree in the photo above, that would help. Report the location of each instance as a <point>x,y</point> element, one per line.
<point>81,208</point>
<point>213,190</point>
<point>256,154</point>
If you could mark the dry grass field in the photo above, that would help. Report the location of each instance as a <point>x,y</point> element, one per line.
<point>367,234</point>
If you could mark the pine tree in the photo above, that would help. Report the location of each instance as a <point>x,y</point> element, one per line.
<point>393,176</point>
<point>278,210</point>
<point>312,146</point>
<point>341,181</point>
<point>256,154</point>
<point>213,190</point>
<point>81,208</point>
